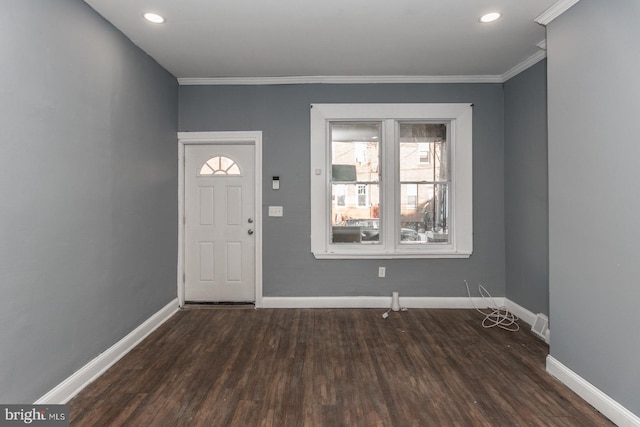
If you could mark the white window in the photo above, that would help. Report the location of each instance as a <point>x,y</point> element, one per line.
<point>362,195</point>
<point>361,152</point>
<point>339,195</point>
<point>412,196</point>
<point>424,152</point>
<point>397,205</point>
<point>219,166</point>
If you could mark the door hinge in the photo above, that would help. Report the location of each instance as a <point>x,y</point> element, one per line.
<point>184,277</point>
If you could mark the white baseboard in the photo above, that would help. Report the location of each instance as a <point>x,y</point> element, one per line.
<point>374,302</point>
<point>408,302</point>
<point>67,389</point>
<point>596,398</point>
<point>523,314</point>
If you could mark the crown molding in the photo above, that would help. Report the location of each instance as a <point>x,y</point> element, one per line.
<point>554,11</point>
<point>300,80</point>
<point>529,62</point>
<point>293,80</point>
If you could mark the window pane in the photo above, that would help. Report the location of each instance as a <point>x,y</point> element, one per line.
<point>355,151</point>
<point>355,192</point>
<point>351,221</point>
<point>219,166</point>
<point>423,152</point>
<point>426,221</point>
<point>424,183</point>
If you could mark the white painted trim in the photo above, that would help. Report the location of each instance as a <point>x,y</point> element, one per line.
<point>460,116</point>
<point>70,387</point>
<point>396,255</point>
<point>599,400</point>
<point>408,302</point>
<point>253,137</point>
<point>527,63</point>
<point>523,314</point>
<point>375,302</point>
<point>554,11</point>
<point>290,80</point>
<point>181,271</point>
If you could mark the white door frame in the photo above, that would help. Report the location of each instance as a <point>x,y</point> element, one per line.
<point>221,138</point>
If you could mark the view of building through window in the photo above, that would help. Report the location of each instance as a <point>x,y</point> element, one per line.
<point>424,181</point>
<point>422,175</point>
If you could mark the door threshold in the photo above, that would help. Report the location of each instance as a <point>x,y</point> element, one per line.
<point>196,305</point>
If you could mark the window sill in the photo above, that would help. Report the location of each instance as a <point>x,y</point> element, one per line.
<point>343,255</point>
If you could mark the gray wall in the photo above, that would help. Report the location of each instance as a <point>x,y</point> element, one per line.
<point>594,200</point>
<point>525,186</point>
<point>282,113</point>
<point>88,191</point>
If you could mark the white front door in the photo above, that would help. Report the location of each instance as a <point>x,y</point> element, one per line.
<point>219,242</point>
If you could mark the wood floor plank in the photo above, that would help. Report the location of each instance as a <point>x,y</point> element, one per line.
<point>331,367</point>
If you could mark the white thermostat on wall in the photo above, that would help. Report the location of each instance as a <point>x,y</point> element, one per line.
<point>276,182</point>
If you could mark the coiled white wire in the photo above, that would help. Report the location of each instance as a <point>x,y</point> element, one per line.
<point>498,315</point>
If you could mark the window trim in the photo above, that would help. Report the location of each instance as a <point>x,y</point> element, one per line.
<point>461,234</point>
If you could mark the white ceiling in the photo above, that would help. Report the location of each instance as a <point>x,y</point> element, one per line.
<point>283,38</point>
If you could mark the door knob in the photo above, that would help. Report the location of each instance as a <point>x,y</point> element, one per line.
<point>250,220</point>
<point>250,232</point>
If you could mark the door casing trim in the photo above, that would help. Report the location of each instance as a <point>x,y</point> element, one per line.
<point>221,138</point>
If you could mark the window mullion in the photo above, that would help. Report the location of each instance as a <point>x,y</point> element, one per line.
<point>389,180</point>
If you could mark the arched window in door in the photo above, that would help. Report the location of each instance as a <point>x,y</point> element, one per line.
<point>219,166</point>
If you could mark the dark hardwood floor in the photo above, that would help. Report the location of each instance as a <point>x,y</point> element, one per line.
<point>321,367</point>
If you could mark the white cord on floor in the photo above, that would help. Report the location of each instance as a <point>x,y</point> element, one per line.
<point>498,316</point>
<point>386,313</point>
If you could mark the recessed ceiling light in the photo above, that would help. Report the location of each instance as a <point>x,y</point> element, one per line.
<point>154,17</point>
<point>490,17</point>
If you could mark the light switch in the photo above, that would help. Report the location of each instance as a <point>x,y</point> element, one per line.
<point>275,211</point>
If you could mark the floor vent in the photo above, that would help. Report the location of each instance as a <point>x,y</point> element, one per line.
<point>540,326</point>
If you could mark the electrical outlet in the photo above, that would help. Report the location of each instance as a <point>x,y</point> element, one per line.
<point>382,271</point>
